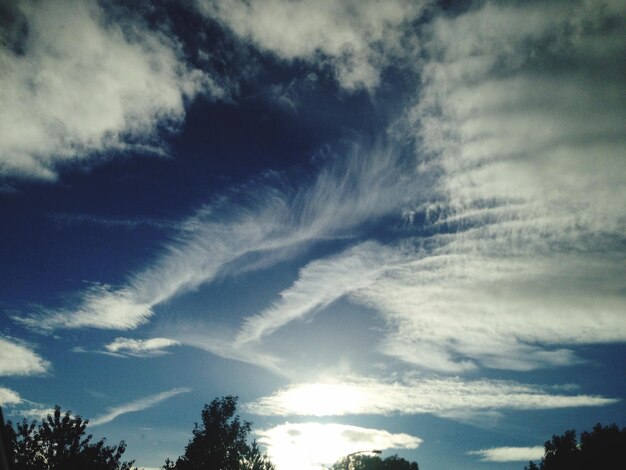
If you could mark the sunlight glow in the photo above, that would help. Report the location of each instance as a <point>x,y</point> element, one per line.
<point>309,446</point>
<point>319,399</point>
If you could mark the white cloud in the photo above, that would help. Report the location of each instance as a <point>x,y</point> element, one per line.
<point>76,83</point>
<point>509,454</point>
<point>357,38</point>
<point>9,397</point>
<point>17,359</point>
<point>309,445</point>
<point>455,310</point>
<point>413,395</point>
<point>319,283</point>
<point>137,405</point>
<point>528,260</point>
<point>270,221</point>
<point>101,306</point>
<point>528,204</point>
<point>36,413</point>
<point>521,121</point>
<point>526,138</point>
<point>139,347</point>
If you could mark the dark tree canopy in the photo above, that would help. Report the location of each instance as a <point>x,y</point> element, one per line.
<point>59,443</point>
<point>604,447</point>
<point>220,442</point>
<point>368,462</point>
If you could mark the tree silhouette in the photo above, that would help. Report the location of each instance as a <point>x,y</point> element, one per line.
<point>603,447</point>
<point>221,442</point>
<point>368,462</point>
<point>59,443</point>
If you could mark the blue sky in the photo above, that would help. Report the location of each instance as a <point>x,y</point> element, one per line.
<point>383,225</point>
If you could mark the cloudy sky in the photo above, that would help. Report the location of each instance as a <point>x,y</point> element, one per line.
<point>385,225</point>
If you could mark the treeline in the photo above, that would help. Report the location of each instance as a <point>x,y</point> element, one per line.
<point>221,442</point>
<point>60,442</point>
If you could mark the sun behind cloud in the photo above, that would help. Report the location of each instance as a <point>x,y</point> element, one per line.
<point>323,399</point>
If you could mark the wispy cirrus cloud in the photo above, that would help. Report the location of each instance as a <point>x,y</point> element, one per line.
<point>111,222</point>
<point>67,100</point>
<point>414,395</point>
<point>308,445</point>
<point>270,221</point>
<point>320,283</point>
<point>509,454</point>
<point>100,306</point>
<point>221,341</point>
<point>357,39</point>
<point>136,405</point>
<point>16,358</point>
<point>141,347</point>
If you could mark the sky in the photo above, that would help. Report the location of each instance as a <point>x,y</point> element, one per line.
<point>385,225</point>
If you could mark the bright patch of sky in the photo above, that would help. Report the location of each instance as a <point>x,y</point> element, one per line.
<point>382,225</point>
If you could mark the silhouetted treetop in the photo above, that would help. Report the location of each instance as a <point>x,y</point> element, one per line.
<point>602,448</point>
<point>220,442</point>
<point>59,442</point>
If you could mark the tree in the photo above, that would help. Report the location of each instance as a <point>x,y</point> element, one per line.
<point>59,443</point>
<point>221,442</point>
<point>603,448</point>
<point>368,462</point>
